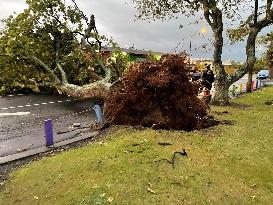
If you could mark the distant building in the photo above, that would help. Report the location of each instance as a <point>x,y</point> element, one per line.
<point>134,54</point>
<point>200,63</point>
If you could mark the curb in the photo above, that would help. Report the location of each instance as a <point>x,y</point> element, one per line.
<point>28,153</point>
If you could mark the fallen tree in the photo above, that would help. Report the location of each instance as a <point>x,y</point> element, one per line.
<point>156,94</point>
<point>46,36</point>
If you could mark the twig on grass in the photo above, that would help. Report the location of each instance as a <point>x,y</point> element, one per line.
<point>172,162</point>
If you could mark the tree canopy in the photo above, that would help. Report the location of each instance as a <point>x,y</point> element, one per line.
<point>60,41</point>
<point>214,13</point>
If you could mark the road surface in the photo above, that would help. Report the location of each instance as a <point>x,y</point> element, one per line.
<point>22,120</point>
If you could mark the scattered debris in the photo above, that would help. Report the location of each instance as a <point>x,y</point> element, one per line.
<point>102,195</point>
<point>253,197</point>
<point>269,102</point>
<point>71,130</point>
<point>99,126</point>
<point>172,162</point>
<point>135,145</point>
<point>164,143</point>
<point>110,199</point>
<point>150,190</point>
<point>76,124</point>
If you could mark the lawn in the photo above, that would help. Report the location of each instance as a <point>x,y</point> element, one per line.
<point>230,163</point>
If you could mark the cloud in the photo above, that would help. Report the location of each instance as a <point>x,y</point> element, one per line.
<point>116,18</point>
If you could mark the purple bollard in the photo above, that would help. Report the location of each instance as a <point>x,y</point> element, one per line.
<point>49,132</point>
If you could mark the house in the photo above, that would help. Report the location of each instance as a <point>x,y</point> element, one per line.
<point>134,54</point>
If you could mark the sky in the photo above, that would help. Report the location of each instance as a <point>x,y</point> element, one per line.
<point>116,19</point>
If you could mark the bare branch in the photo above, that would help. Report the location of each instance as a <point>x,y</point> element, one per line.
<point>82,14</point>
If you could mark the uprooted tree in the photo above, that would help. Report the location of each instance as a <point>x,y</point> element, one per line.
<point>156,93</point>
<point>45,36</point>
<point>214,12</point>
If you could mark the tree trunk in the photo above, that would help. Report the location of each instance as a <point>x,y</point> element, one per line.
<point>222,84</point>
<point>98,89</point>
<point>250,48</point>
<point>251,57</point>
<point>221,81</point>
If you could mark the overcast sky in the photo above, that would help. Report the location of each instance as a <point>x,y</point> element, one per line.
<point>115,18</point>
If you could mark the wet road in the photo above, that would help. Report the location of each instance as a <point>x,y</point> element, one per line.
<point>22,119</point>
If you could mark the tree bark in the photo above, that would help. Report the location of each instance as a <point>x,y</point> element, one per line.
<point>251,57</point>
<point>98,89</point>
<point>221,81</point>
<point>213,16</point>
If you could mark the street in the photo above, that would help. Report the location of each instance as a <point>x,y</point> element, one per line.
<point>22,120</point>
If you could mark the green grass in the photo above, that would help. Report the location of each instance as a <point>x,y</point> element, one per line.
<point>227,164</point>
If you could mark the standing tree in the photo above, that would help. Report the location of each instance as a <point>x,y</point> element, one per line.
<point>269,54</point>
<point>261,17</point>
<point>46,36</point>
<point>213,12</point>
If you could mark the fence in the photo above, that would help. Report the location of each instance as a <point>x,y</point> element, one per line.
<point>241,87</point>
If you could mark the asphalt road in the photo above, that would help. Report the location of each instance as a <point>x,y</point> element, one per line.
<point>22,120</point>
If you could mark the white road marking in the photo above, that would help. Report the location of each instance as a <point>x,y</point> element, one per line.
<point>10,95</point>
<point>14,114</point>
<point>37,104</point>
<point>20,94</point>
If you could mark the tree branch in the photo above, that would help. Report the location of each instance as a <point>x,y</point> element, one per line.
<point>85,41</point>
<point>82,14</point>
<point>256,12</point>
<point>207,15</point>
<point>268,8</point>
<point>59,67</point>
<point>50,72</point>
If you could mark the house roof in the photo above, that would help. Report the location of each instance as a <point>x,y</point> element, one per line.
<point>133,51</point>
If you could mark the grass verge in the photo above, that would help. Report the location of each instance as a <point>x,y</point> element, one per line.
<point>226,164</point>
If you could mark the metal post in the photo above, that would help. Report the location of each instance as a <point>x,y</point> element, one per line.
<point>99,114</point>
<point>257,85</point>
<point>247,86</point>
<point>241,88</point>
<point>49,132</point>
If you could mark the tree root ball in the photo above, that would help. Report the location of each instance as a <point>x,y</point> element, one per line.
<point>156,94</point>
